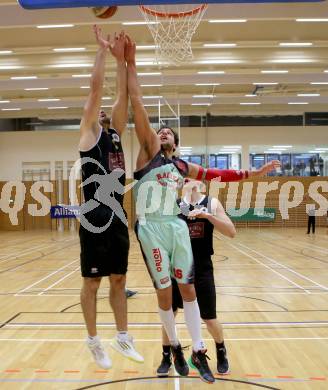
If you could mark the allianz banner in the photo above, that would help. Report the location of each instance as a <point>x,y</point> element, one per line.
<point>252,214</point>
<point>64,211</point>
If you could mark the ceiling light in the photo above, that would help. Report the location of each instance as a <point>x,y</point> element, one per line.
<point>145,63</point>
<point>138,23</point>
<point>264,83</point>
<point>200,104</point>
<point>211,72</point>
<point>149,74</point>
<point>79,65</point>
<point>23,77</point>
<point>251,95</point>
<point>314,151</point>
<point>55,25</point>
<point>274,71</point>
<point>207,84</point>
<point>231,146</point>
<point>292,61</point>
<point>217,45</point>
<point>56,108</point>
<point>152,97</point>
<point>249,103</point>
<point>10,109</point>
<point>85,87</point>
<point>151,85</point>
<point>203,96</point>
<point>64,49</point>
<point>4,101</point>
<point>312,20</point>
<point>6,51</point>
<point>227,21</point>
<point>320,83</point>
<point>321,148</point>
<point>81,75</point>
<point>308,94</point>
<point>282,146</point>
<point>298,103</point>
<point>49,100</point>
<point>36,89</point>
<point>295,44</point>
<point>5,67</point>
<point>209,62</point>
<point>146,47</point>
<point>106,98</point>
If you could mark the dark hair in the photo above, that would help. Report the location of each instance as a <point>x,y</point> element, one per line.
<point>176,136</point>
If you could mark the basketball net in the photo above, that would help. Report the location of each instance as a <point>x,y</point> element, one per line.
<point>172,28</point>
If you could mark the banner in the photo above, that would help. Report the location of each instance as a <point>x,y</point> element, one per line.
<point>64,211</point>
<point>252,214</point>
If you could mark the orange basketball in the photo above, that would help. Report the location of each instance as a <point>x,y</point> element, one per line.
<point>104,12</point>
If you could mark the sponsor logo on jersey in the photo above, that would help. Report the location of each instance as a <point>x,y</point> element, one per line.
<point>94,270</point>
<point>164,280</point>
<point>116,160</point>
<point>158,259</point>
<point>165,178</point>
<point>196,230</point>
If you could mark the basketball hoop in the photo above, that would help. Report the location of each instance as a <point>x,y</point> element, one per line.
<point>172,31</point>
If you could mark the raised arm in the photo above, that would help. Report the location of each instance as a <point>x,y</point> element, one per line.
<point>207,174</point>
<point>148,139</point>
<point>89,127</point>
<point>120,108</point>
<point>218,218</point>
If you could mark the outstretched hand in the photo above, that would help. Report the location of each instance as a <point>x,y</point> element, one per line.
<point>117,46</point>
<point>102,42</point>
<point>270,166</point>
<point>130,49</point>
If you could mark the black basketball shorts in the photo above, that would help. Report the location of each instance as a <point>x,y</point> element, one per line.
<point>106,253</point>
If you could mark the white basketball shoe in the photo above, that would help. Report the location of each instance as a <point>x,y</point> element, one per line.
<point>99,354</point>
<point>126,348</point>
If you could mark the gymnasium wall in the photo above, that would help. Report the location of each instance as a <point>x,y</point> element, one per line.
<point>19,148</point>
<point>297,216</point>
<point>32,146</point>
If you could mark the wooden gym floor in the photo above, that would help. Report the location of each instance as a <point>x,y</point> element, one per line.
<point>272,290</point>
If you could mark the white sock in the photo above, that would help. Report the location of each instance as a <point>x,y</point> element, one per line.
<point>193,322</point>
<point>93,339</point>
<point>123,336</point>
<point>168,321</point>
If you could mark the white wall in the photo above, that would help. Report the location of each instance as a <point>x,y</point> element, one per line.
<point>32,146</point>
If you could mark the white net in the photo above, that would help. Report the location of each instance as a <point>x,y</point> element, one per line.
<point>172,28</point>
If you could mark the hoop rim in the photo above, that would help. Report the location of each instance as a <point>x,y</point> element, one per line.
<point>182,14</point>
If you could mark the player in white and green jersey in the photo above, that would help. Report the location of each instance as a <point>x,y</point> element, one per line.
<point>164,239</point>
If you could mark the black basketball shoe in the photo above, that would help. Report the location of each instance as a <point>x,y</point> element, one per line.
<point>164,367</point>
<point>198,361</point>
<point>222,361</point>
<point>180,363</point>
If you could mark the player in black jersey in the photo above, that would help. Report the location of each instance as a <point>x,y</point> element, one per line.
<point>202,214</point>
<point>104,234</point>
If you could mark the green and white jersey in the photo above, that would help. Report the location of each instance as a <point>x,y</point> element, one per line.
<point>155,193</point>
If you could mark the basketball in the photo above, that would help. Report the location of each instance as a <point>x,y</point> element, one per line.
<point>104,12</point>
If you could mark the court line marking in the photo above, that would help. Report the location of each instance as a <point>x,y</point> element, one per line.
<point>267,266</point>
<point>289,269</point>
<point>29,250</point>
<point>181,339</point>
<point>58,281</point>
<point>44,278</point>
<point>313,246</point>
<point>152,293</point>
<point>157,324</point>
